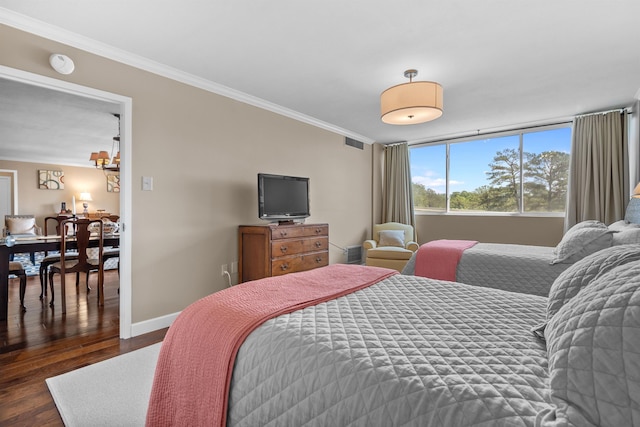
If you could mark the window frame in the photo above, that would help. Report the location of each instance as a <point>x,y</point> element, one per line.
<point>489,135</point>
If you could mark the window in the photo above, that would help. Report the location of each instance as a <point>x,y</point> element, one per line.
<point>518,172</point>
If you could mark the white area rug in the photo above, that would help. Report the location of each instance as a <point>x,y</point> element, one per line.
<point>114,392</point>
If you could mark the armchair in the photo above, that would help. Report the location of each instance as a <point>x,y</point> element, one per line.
<point>391,247</point>
<point>22,226</point>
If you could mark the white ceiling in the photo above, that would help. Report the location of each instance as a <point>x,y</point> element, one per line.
<point>501,62</point>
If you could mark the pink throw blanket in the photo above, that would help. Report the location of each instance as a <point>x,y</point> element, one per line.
<point>193,374</point>
<point>439,259</point>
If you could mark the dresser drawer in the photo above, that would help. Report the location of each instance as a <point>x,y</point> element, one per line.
<point>299,231</point>
<point>305,262</point>
<point>297,246</point>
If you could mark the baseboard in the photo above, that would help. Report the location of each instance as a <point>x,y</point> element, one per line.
<point>151,325</point>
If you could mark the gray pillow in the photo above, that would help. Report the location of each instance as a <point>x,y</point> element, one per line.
<point>623,225</point>
<point>582,273</point>
<point>580,242</point>
<point>627,237</point>
<point>391,238</point>
<point>593,345</point>
<point>590,223</point>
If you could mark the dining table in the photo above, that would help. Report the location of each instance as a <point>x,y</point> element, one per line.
<point>36,244</point>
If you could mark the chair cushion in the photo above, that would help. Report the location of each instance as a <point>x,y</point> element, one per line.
<point>21,225</point>
<point>15,266</point>
<point>391,238</point>
<point>389,252</point>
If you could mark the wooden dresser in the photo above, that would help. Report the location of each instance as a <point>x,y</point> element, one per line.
<point>273,250</point>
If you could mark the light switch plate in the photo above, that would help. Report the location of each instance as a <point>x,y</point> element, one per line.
<point>147,183</point>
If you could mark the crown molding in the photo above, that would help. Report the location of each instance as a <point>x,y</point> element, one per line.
<point>57,34</point>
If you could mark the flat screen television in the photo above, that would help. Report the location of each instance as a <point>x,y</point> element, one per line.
<point>282,198</point>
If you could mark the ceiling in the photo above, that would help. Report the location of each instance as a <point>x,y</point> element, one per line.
<point>502,63</point>
<point>41,125</point>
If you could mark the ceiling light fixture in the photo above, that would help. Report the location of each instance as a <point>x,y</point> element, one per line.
<point>103,160</point>
<point>411,103</point>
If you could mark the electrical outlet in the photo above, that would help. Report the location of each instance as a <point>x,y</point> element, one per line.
<point>234,267</point>
<point>223,269</point>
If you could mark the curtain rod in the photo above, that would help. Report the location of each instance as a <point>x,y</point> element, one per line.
<point>620,110</point>
<point>492,132</point>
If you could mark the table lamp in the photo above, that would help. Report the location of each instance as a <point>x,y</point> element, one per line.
<point>84,198</point>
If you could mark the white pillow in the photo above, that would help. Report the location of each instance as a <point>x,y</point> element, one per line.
<point>580,242</point>
<point>391,238</point>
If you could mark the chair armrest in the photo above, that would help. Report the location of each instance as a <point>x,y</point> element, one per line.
<point>412,246</point>
<point>369,244</point>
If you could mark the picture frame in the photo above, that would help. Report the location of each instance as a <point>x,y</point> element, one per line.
<point>50,179</point>
<point>113,183</point>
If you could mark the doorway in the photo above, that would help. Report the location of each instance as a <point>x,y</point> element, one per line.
<point>7,193</point>
<point>125,106</point>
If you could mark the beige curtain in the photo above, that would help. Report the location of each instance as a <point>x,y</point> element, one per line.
<point>598,184</point>
<point>397,196</point>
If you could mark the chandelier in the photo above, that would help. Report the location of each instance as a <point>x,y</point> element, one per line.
<point>102,159</point>
<point>411,103</point>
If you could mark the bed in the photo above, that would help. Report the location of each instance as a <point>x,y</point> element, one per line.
<point>520,268</point>
<point>384,349</point>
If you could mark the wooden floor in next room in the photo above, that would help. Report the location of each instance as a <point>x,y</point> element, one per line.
<point>42,343</point>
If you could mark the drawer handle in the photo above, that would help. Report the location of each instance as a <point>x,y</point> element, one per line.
<point>318,230</point>
<point>283,233</point>
<point>318,260</point>
<point>283,249</point>
<point>284,267</point>
<point>318,244</point>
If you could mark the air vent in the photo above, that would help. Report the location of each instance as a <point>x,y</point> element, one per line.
<point>354,254</point>
<point>353,143</point>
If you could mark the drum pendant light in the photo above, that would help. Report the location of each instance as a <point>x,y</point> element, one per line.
<point>411,103</point>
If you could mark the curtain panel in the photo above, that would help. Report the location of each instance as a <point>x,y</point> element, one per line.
<point>397,195</point>
<point>598,175</point>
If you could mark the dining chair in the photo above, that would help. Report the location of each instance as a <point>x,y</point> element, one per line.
<point>109,227</point>
<point>80,262</point>
<point>17,269</point>
<point>50,259</point>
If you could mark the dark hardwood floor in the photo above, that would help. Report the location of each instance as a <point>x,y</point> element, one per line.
<point>43,342</point>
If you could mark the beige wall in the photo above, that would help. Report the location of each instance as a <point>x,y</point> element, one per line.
<point>204,152</point>
<point>43,203</point>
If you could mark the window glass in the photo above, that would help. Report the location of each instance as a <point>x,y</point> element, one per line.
<point>485,175</point>
<point>429,176</point>
<point>546,170</point>
<point>523,172</point>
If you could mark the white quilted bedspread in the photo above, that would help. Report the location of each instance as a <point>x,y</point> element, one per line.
<point>406,351</point>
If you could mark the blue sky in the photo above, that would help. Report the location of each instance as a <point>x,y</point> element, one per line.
<point>470,160</point>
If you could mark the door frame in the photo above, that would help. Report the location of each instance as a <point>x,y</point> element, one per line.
<point>126,106</point>
<point>13,180</point>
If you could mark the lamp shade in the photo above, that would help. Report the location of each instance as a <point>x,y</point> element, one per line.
<point>411,103</point>
<point>85,197</point>
<point>636,192</point>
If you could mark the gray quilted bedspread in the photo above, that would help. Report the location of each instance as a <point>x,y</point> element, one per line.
<point>516,268</point>
<point>407,351</point>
